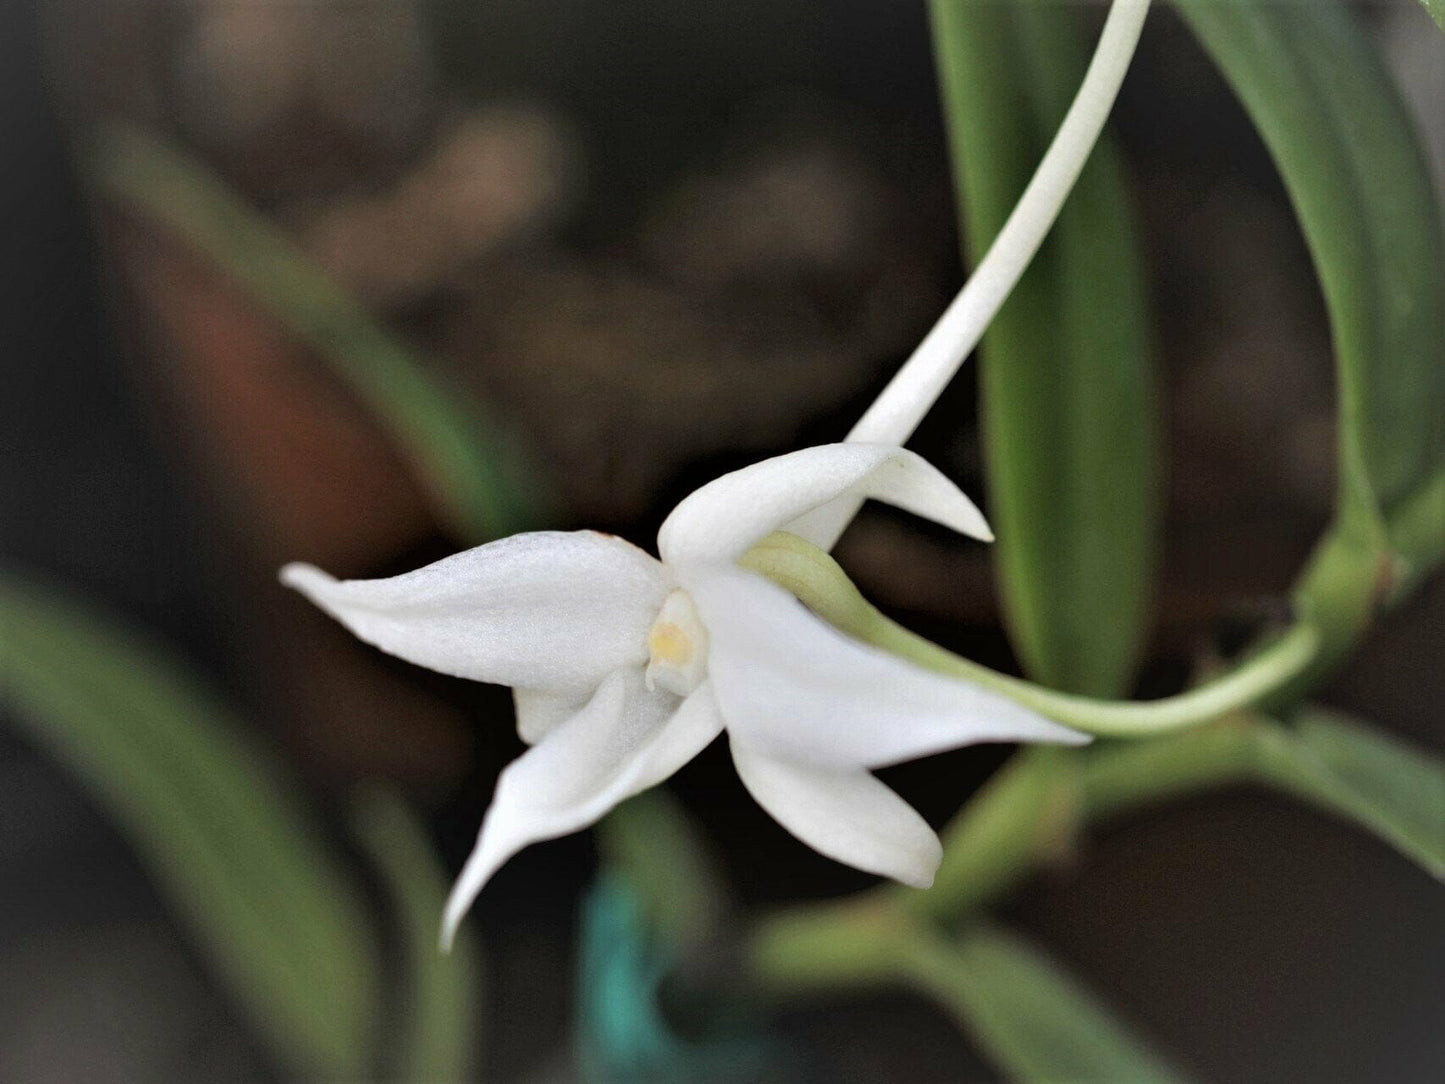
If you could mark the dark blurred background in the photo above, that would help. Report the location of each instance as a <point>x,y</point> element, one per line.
<point>663,238</point>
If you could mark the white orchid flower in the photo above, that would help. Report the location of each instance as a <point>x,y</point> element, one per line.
<point>625,667</point>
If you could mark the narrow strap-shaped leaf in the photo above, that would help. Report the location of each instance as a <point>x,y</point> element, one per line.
<point>470,462</point>
<point>439,1017</point>
<point>1366,777</point>
<point>1034,1020</point>
<point>1399,416</point>
<point>1068,388</point>
<point>211,817</point>
<point>1346,151</point>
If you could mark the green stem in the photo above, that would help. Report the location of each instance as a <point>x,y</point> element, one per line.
<point>1247,684</point>
<point>1417,529</point>
<point>1036,808</point>
<point>819,583</point>
<point>1027,817</point>
<point>1032,813</point>
<point>437,1037</point>
<point>850,944</point>
<point>1125,777</point>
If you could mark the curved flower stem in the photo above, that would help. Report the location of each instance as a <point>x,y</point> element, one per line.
<point>1252,681</point>
<point>819,583</point>
<point>896,412</point>
<point>1032,812</point>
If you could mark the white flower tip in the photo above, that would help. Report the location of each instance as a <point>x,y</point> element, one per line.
<point>923,868</point>
<point>1069,736</point>
<point>1031,727</point>
<point>303,577</point>
<point>964,517</point>
<point>458,904</point>
<point>923,877</point>
<point>486,856</point>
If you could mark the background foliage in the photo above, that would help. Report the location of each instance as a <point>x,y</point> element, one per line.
<point>312,902</point>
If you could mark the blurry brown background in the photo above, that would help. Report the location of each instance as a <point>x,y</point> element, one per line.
<point>664,238</point>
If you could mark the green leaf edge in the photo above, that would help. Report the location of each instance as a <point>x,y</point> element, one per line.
<point>1337,131</point>
<point>1035,1020</point>
<point>438,1026</point>
<point>1367,778</point>
<point>211,817</point>
<point>1078,315</point>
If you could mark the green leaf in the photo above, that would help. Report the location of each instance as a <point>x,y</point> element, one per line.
<point>1068,396</point>
<point>1366,777</point>
<point>439,1020</point>
<point>1035,1021</point>
<point>1436,8</point>
<point>215,821</point>
<point>1418,531</point>
<point>471,463</point>
<point>1359,182</point>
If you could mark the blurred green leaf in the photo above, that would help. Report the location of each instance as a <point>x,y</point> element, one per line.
<point>1418,531</point>
<point>1348,156</point>
<point>1067,381</point>
<point>473,466</point>
<point>1035,1021</point>
<point>652,844</point>
<point>440,1020</point>
<point>216,823</point>
<point>1436,8</point>
<point>1366,777</point>
<point>1395,791</point>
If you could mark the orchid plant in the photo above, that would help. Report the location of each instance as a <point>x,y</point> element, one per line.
<point>625,667</point>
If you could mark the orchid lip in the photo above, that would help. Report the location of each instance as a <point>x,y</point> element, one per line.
<point>677,646</point>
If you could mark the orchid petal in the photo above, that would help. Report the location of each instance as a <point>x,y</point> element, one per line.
<point>539,712</point>
<point>623,741</point>
<point>725,518</point>
<point>845,814</point>
<point>791,684</point>
<point>551,609</point>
